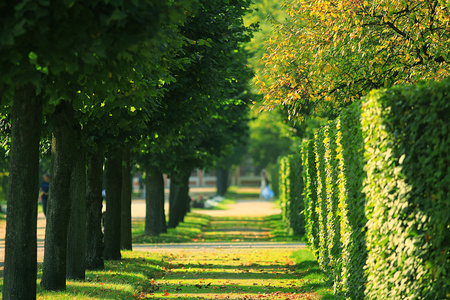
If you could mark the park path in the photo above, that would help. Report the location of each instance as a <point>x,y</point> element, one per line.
<point>231,270</point>
<point>240,208</point>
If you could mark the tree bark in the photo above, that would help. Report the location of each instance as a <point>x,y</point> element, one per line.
<point>58,210</point>
<point>125,239</point>
<point>222,181</point>
<point>155,218</point>
<point>76,242</point>
<point>179,192</point>
<point>94,203</point>
<point>21,245</point>
<point>113,204</point>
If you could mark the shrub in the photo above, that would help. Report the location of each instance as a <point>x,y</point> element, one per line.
<point>350,152</point>
<point>291,190</point>
<point>310,194</point>
<point>283,187</point>
<point>321,207</point>
<point>332,199</point>
<point>296,202</point>
<point>407,138</point>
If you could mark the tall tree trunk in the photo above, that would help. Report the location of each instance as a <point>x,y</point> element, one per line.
<point>58,211</point>
<point>113,204</point>
<point>76,242</point>
<point>179,192</point>
<point>94,203</point>
<point>222,181</point>
<point>155,218</point>
<point>21,245</point>
<point>125,239</point>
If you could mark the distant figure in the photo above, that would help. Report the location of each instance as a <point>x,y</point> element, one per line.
<point>43,195</point>
<point>266,192</point>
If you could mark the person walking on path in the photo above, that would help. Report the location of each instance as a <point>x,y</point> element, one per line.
<point>43,195</point>
<point>266,192</point>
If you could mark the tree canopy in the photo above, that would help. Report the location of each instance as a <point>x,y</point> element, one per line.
<point>329,53</point>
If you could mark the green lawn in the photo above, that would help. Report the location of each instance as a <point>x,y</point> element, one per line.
<point>202,274</point>
<point>202,228</point>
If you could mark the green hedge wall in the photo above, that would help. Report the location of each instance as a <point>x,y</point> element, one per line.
<point>291,190</point>
<point>350,152</point>
<point>332,200</point>
<point>310,194</point>
<point>283,187</point>
<point>296,204</point>
<point>377,189</point>
<point>407,136</point>
<point>321,206</point>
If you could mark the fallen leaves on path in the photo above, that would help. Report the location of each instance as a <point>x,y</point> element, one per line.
<point>231,274</point>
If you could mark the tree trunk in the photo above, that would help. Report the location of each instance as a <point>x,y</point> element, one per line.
<point>76,242</point>
<point>113,204</point>
<point>179,192</point>
<point>222,181</point>
<point>125,239</point>
<point>21,245</point>
<point>94,203</point>
<point>58,210</point>
<point>155,218</point>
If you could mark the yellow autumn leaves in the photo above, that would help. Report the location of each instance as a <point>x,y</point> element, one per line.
<point>328,53</point>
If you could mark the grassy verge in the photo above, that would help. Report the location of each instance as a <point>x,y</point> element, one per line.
<point>202,274</point>
<point>199,227</point>
<point>242,193</point>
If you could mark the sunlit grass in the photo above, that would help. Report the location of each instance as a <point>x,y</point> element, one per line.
<point>242,193</point>
<point>204,228</point>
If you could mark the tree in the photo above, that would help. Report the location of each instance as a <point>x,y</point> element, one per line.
<point>94,202</point>
<point>125,230</point>
<point>113,169</point>
<point>53,43</point>
<point>21,243</point>
<point>328,53</point>
<point>216,31</point>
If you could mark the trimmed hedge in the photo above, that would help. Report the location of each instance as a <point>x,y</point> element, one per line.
<point>350,152</point>
<point>377,189</point>
<point>333,227</point>
<point>310,194</point>
<point>321,206</point>
<point>283,187</point>
<point>407,134</point>
<point>291,190</point>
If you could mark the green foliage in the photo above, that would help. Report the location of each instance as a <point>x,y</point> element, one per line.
<point>291,192</point>
<point>406,133</point>
<point>321,207</point>
<point>333,227</point>
<point>297,205</point>
<point>352,200</point>
<point>283,187</point>
<point>310,194</point>
<point>203,113</point>
<point>270,138</point>
<point>327,54</point>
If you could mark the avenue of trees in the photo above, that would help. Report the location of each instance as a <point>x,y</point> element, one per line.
<point>101,85</point>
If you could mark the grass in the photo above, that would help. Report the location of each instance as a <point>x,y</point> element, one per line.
<point>202,228</point>
<point>242,193</point>
<point>206,273</point>
<point>202,274</point>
